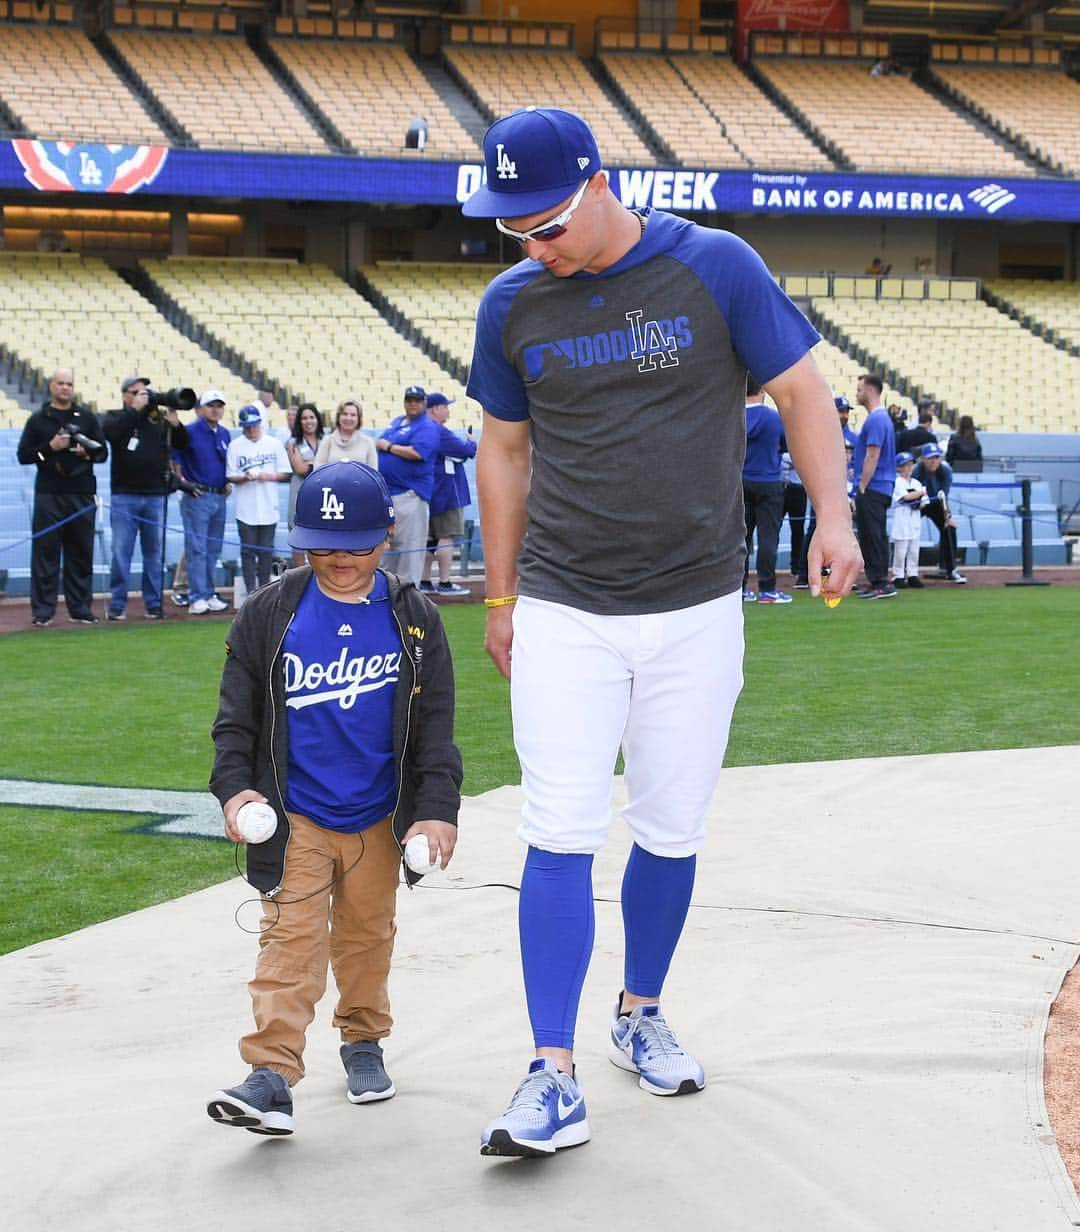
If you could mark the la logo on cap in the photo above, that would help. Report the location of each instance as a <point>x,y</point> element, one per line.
<point>504,164</point>
<point>333,510</point>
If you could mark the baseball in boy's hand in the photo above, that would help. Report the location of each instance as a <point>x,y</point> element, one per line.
<point>417,855</point>
<point>255,821</point>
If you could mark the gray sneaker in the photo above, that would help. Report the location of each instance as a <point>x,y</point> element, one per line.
<point>261,1103</point>
<point>368,1079</point>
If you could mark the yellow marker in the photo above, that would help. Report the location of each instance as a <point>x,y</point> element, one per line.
<point>830,600</point>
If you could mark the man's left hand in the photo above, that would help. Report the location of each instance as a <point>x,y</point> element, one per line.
<point>441,837</point>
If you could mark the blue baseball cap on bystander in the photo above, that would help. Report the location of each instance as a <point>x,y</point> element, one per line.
<point>345,506</point>
<point>932,450</point>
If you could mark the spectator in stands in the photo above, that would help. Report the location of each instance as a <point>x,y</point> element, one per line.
<point>407,453</point>
<point>64,441</point>
<point>763,494</point>
<point>908,497</point>
<point>265,399</point>
<point>142,438</point>
<point>843,410</point>
<point>302,447</point>
<point>911,440</point>
<point>202,462</point>
<point>875,470</point>
<point>898,417</point>
<point>255,463</point>
<point>449,496</point>
<point>964,452</point>
<point>936,476</point>
<point>877,267</point>
<point>347,443</point>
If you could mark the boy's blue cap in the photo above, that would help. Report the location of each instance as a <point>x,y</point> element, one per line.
<point>344,505</point>
<point>932,450</point>
<point>249,415</point>
<point>841,403</point>
<point>533,160</point>
<point>903,458</point>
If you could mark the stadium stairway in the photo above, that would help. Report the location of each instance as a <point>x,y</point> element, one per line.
<point>645,130</point>
<point>994,132</point>
<point>827,147</point>
<point>139,280</point>
<point>463,105</point>
<point>637,121</point>
<point>10,124</point>
<point>144,95</point>
<point>1032,324</point>
<point>328,130</point>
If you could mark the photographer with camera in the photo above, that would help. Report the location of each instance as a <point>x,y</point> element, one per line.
<point>202,506</point>
<point>64,441</point>
<point>142,434</point>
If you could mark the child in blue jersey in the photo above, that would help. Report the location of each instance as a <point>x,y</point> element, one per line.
<point>337,709</point>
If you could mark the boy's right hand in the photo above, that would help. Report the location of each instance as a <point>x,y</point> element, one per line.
<point>233,805</point>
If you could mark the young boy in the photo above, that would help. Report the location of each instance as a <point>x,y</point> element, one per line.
<point>908,497</point>
<point>337,709</point>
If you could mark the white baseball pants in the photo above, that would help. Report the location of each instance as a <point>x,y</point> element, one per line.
<point>662,686</point>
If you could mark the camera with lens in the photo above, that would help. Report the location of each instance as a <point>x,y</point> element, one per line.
<point>175,483</point>
<point>78,437</point>
<point>178,399</point>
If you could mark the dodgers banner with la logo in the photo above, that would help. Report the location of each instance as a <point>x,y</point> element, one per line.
<point>79,167</point>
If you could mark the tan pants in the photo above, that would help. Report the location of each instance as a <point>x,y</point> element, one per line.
<point>332,907</point>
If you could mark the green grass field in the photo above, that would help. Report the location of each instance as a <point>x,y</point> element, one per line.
<point>939,671</point>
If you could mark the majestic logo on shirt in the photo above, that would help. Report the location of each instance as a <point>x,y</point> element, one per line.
<point>345,631</point>
<point>341,681</point>
<point>505,167</point>
<point>648,342</point>
<point>69,166</point>
<point>333,508</point>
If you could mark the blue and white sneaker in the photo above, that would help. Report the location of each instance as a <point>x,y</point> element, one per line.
<point>261,1103</point>
<point>546,1114</point>
<point>644,1044</point>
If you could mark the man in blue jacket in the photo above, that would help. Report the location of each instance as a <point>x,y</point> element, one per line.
<point>763,494</point>
<point>407,452</point>
<point>449,498</point>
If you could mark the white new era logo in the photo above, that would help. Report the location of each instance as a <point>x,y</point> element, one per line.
<point>345,631</point>
<point>332,509</point>
<point>582,163</point>
<point>504,164</point>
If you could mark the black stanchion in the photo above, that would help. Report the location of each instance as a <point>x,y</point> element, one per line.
<point>1027,551</point>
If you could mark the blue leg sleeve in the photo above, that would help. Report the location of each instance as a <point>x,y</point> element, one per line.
<point>655,899</point>
<point>556,924</point>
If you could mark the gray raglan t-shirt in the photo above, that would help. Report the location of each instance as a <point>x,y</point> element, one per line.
<point>634,382</point>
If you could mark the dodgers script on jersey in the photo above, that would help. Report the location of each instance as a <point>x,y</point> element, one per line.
<point>341,663</point>
<point>634,382</point>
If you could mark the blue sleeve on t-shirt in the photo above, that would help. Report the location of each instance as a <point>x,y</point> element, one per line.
<point>768,332</point>
<point>493,379</point>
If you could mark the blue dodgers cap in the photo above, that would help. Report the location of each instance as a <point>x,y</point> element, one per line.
<point>415,393</point>
<point>902,459</point>
<point>249,415</point>
<point>344,505</point>
<point>933,450</point>
<point>437,399</point>
<point>841,403</point>
<point>533,159</point>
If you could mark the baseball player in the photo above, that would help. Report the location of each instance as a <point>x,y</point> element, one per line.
<point>611,364</point>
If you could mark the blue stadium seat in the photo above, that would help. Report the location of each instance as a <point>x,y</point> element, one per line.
<point>999,537</point>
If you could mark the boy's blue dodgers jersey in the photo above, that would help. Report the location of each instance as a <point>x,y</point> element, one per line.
<point>341,663</point>
<point>635,382</point>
